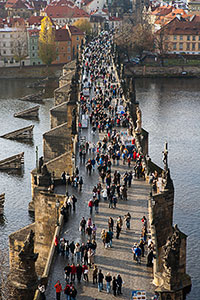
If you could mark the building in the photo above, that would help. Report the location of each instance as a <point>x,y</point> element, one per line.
<point>63,46</point>
<point>13,40</point>
<point>33,37</point>
<point>92,5</point>
<point>19,8</point>
<point>77,37</point>
<point>182,35</point>
<point>194,5</point>
<point>64,13</point>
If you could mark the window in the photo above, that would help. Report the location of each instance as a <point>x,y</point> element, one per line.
<point>181,46</point>
<point>38,62</point>
<point>33,54</point>
<point>33,48</point>
<point>199,46</point>
<point>193,46</point>
<point>77,38</point>
<point>3,35</point>
<point>11,44</point>
<point>69,43</point>
<point>4,51</point>
<point>181,37</point>
<point>174,46</point>
<point>11,60</point>
<point>175,37</point>
<point>68,49</point>
<point>58,58</point>
<point>12,51</point>
<point>4,44</point>
<point>77,46</point>
<point>194,38</point>
<point>69,57</point>
<point>199,38</point>
<point>188,46</point>
<point>33,63</point>
<point>188,38</point>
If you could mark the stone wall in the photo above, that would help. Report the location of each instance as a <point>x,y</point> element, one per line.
<point>158,71</point>
<point>58,115</point>
<point>56,142</point>
<point>60,164</point>
<point>45,224</point>
<point>61,94</point>
<point>22,278</point>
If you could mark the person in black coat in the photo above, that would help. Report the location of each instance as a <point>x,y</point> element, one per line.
<point>119,284</point>
<point>79,271</point>
<point>114,286</point>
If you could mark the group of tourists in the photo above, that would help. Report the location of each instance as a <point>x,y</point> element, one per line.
<point>108,115</point>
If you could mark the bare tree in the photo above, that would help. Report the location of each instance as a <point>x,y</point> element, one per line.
<point>162,44</point>
<point>20,44</point>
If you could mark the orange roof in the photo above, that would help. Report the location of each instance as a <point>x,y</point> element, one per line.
<point>184,26</point>
<point>64,11</point>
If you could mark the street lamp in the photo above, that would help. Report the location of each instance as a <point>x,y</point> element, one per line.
<point>57,211</point>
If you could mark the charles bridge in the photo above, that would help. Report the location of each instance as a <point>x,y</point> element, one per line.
<point>32,248</point>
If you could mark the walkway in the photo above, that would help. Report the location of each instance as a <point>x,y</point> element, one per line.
<point>116,260</point>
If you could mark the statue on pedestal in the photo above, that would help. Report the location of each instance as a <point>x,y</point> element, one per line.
<point>139,120</point>
<point>165,157</point>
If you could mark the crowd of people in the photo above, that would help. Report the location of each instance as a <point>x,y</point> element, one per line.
<point>108,115</point>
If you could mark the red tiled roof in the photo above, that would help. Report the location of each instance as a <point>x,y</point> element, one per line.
<point>75,30</point>
<point>62,35</point>
<point>17,4</point>
<point>62,2</point>
<point>65,12</point>
<point>190,26</point>
<point>33,32</point>
<point>35,20</point>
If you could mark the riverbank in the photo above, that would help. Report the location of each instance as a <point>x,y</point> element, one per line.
<point>31,72</point>
<point>164,72</point>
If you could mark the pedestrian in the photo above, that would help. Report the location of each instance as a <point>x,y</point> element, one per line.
<point>56,243</point>
<point>77,252</point>
<point>118,230</point>
<point>108,281</point>
<point>89,232</point>
<point>67,291</point>
<point>127,219</point>
<point>73,272</point>
<point>80,183</point>
<point>41,289</point>
<point>100,280</point>
<point>58,287</point>
<point>96,205</point>
<point>73,292</point>
<point>114,286</point>
<point>72,248</point>
<point>119,284</point>
<point>79,271</point>
<point>90,205</point>
<point>110,224</point>
<point>82,225</point>
<point>94,274</point>
<point>67,271</point>
<point>74,200</point>
<point>90,254</point>
<point>85,272</point>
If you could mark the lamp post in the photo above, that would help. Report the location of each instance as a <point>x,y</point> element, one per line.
<point>36,154</point>
<point>57,212</point>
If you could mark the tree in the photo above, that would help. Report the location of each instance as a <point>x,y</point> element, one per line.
<point>84,25</point>
<point>134,38</point>
<point>47,46</point>
<point>19,44</point>
<point>162,44</point>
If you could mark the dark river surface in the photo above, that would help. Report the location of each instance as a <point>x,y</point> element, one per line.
<point>170,111</point>
<point>18,187</point>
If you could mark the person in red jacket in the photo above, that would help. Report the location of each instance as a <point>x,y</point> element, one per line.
<point>73,272</point>
<point>58,287</point>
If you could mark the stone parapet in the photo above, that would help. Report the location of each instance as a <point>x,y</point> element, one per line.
<point>56,142</point>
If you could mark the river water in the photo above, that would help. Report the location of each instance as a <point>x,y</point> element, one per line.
<point>170,111</point>
<point>18,187</point>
